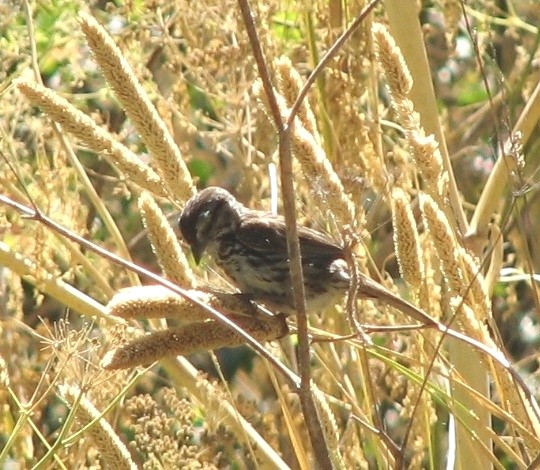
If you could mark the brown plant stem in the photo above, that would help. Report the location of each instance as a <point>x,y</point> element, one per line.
<point>289,208</point>
<point>328,57</point>
<point>370,286</point>
<point>38,216</point>
<point>309,409</point>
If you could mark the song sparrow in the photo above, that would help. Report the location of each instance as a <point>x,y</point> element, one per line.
<point>250,246</point>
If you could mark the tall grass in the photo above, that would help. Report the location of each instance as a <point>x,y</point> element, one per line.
<point>415,147</point>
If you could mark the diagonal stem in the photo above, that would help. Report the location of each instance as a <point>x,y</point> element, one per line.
<point>38,216</point>
<point>309,409</point>
<point>328,57</point>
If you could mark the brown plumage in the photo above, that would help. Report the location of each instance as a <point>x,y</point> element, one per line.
<point>251,248</point>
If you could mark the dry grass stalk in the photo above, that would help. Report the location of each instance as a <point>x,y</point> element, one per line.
<point>458,267</point>
<point>476,285</point>
<point>165,246</point>
<point>140,110</point>
<point>194,337</point>
<point>406,241</point>
<point>330,427</point>
<point>424,148</point>
<point>396,72</point>
<point>289,84</point>
<point>93,136</point>
<point>225,411</point>
<point>430,295</point>
<point>444,243</point>
<point>511,397</point>
<point>111,448</point>
<point>460,270</point>
<point>468,320</point>
<point>419,409</point>
<point>159,302</point>
<point>451,263</point>
<point>316,168</point>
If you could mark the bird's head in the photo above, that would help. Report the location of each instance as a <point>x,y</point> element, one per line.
<point>210,214</point>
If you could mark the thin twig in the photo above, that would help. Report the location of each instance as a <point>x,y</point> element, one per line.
<point>291,378</point>
<point>309,409</point>
<point>264,72</point>
<point>284,131</point>
<point>38,216</point>
<point>91,192</point>
<point>328,57</point>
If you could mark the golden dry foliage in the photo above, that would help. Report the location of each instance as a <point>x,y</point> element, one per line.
<point>109,121</point>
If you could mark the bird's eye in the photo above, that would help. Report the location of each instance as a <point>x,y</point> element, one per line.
<point>205,214</point>
<point>204,220</point>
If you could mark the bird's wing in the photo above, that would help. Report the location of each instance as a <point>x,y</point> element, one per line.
<point>268,234</point>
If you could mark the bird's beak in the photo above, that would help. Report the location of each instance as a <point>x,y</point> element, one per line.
<point>197,253</point>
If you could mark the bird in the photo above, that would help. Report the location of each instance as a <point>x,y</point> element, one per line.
<point>250,246</point>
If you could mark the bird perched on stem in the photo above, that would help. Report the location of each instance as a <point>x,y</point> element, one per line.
<point>251,248</point>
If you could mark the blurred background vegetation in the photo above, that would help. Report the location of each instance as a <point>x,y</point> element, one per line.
<point>195,62</point>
